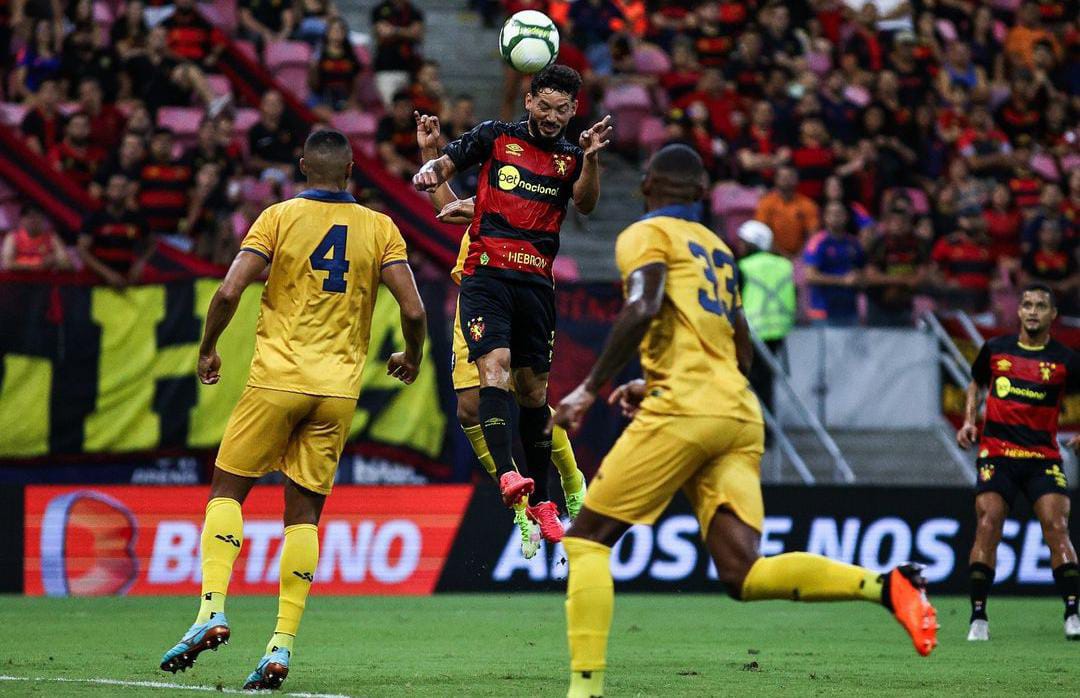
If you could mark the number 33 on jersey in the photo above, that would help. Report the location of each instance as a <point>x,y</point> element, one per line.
<point>688,353</point>
<point>326,264</point>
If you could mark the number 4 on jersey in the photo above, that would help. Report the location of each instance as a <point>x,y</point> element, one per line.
<point>329,256</point>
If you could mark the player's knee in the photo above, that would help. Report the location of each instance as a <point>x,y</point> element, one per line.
<point>532,395</point>
<point>1056,528</point>
<point>988,523</point>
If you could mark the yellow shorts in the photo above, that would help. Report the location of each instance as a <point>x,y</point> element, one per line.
<point>300,435</point>
<point>715,460</point>
<point>464,374</point>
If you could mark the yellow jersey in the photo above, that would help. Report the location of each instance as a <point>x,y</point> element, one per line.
<point>688,354</point>
<point>326,255</point>
<point>459,265</point>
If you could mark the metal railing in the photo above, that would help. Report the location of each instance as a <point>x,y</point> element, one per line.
<point>952,359</point>
<point>788,449</point>
<point>842,470</point>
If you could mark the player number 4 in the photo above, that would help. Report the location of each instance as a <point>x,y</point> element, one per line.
<point>329,256</point>
<point>719,265</point>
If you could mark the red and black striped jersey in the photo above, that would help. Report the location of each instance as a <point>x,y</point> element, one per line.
<point>522,191</point>
<point>1027,385</point>
<point>115,239</point>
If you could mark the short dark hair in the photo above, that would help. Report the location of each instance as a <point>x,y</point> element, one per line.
<point>326,140</point>
<point>162,131</point>
<point>1039,286</point>
<point>558,78</point>
<point>402,95</point>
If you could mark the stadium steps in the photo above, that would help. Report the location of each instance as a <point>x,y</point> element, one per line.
<point>877,457</point>
<point>590,240</point>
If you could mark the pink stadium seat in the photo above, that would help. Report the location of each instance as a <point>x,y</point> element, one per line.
<point>247,48</point>
<point>220,13</point>
<point>627,97</point>
<point>245,119</point>
<point>184,122</point>
<point>946,29</point>
<point>729,197</point>
<point>257,190</point>
<point>629,106</point>
<point>363,54</point>
<point>12,113</point>
<point>103,14</point>
<point>355,124</point>
<point>294,78</point>
<point>287,53</point>
<point>1045,166</point>
<point>219,84</point>
<point>653,134</point>
<point>651,60</point>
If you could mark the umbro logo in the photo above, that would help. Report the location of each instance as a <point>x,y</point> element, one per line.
<point>228,539</point>
<point>306,576</point>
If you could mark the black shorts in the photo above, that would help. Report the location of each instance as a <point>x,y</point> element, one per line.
<point>1009,476</point>
<point>500,314</point>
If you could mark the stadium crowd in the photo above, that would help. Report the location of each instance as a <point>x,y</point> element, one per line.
<point>892,147</point>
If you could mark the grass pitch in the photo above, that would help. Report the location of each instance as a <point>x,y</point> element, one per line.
<point>514,645</point>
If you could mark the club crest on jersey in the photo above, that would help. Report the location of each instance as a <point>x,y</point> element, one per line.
<point>1004,365</point>
<point>1046,370</point>
<point>986,472</point>
<point>476,328</point>
<point>562,164</point>
<point>484,259</point>
<point>514,149</point>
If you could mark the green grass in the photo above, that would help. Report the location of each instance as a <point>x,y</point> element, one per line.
<point>505,645</point>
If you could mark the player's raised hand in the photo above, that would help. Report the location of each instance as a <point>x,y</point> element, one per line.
<point>209,368</point>
<point>401,367</point>
<point>595,139</point>
<point>968,435</point>
<point>428,130</point>
<point>458,212</point>
<point>629,397</point>
<point>427,179</point>
<point>571,410</point>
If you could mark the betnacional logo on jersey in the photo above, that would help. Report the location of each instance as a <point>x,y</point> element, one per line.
<point>1046,370</point>
<point>986,472</point>
<point>510,179</point>
<point>1003,387</point>
<point>514,149</point>
<point>476,328</point>
<point>1004,365</point>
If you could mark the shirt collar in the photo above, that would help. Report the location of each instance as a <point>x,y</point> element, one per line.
<point>342,197</point>
<point>692,212</point>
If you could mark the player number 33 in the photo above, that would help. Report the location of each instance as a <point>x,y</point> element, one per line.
<point>329,256</point>
<point>719,266</point>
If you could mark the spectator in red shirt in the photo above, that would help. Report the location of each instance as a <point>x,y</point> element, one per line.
<point>760,151</point>
<point>106,121</point>
<point>33,246</point>
<point>191,37</point>
<point>746,67</point>
<point>127,160</point>
<point>897,266</point>
<point>399,29</point>
<point>427,90</point>
<point>685,71</point>
<point>334,72</point>
<point>712,40</point>
<point>114,243</point>
<point>985,148</point>
<point>1003,226</point>
<point>725,106</point>
<point>813,159</point>
<point>1051,263</point>
<point>163,185</point>
<point>396,138</point>
<point>780,41</point>
<point>963,263</point>
<point>76,156</point>
<point>1021,116</point>
<point>43,125</point>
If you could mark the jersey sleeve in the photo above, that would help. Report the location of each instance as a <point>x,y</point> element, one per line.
<point>638,245</point>
<point>394,251</point>
<point>980,368</point>
<point>261,238</point>
<point>474,146</point>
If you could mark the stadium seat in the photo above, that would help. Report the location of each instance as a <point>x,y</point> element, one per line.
<point>245,119</point>
<point>629,106</point>
<point>652,134</point>
<point>219,84</point>
<point>290,63</point>
<point>729,197</point>
<point>947,30</point>
<point>247,49</point>
<point>184,122</point>
<point>104,14</point>
<point>9,217</point>
<point>651,60</point>
<point>355,124</point>
<point>220,13</point>
<point>12,113</point>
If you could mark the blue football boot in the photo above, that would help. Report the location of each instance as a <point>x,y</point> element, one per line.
<point>208,635</point>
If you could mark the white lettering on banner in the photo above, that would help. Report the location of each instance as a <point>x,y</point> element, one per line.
<point>773,525</point>
<point>511,561</point>
<point>826,540</point>
<point>1006,558</point>
<point>870,555</point>
<point>337,551</point>
<point>176,552</point>
<point>559,566</point>
<point>939,553</point>
<point>680,550</point>
<point>640,541</point>
<point>382,568</point>
<point>258,535</point>
<point>1031,554</point>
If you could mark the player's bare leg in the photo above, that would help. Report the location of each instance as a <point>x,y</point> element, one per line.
<point>798,576</point>
<point>990,512</point>
<point>495,412</point>
<point>1052,511</point>
<point>299,560</point>
<point>468,415</point>
<point>531,389</point>
<point>222,537</point>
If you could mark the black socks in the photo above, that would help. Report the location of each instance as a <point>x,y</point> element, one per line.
<point>537,446</point>
<point>981,577</point>
<point>495,409</point>
<point>1067,579</point>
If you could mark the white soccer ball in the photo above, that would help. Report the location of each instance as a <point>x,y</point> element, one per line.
<point>529,41</point>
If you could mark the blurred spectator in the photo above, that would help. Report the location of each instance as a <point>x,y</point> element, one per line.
<point>265,21</point>
<point>725,107</point>
<point>114,242</point>
<point>399,28</point>
<point>1003,225</point>
<point>33,246</point>
<point>1028,32</point>
<point>1049,207</point>
<point>312,19</point>
<point>985,148</point>
<point>160,80</point>
<point>713,37</point>
<point>1021,116</point>
<point>39,60</point>
<point>813,159</point>
<point>685,71</point>
<point>1025,185</point>
<point>909,61</point>
<point>964,264</point>
<point>761,150</point>
<point>127,160</point>
<point>140,122</point>
<point>593,22</point>
<point>746,68</point>
<point>77,156</point>
<point>203,223</point>
<point>960,70</point>
<point>834,262</point>
<point>780,41</point>
<point>1050,263</point>
<point>106,121</point>
<point>210,150</point>
<point>897,264</point>
<point>84,56</point>
<point>396,138</point>
<point>334,72</point>
<point>273,144</point>
<point>461,117</point>
<point>163,185</point>
<point>43,125</point>
<point>427,90</point>
<point>792,216</point>
<point>190,36</point>
<point>129,32</point>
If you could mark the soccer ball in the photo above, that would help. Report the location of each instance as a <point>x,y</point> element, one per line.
<point>529,41</point>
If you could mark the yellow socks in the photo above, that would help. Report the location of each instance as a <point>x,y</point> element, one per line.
<point>299,559</point>
<point>222,536</point>
<point>590,600</point>
<point>562,455</point>
<point>807,577</point>
<point>475,435</point>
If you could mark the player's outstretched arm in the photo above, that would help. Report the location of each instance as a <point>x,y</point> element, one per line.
<point>587,187</point>
<point>404,365</point>
<point>247,267</point>
<point>428,132</point>
<point>644,298</point>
